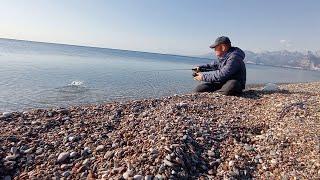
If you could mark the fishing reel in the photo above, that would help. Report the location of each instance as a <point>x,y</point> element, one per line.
<point>200,69</point>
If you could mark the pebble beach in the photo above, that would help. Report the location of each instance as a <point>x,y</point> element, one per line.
<point>260,135</point>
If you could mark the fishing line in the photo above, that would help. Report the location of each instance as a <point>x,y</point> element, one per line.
<point>163,70</point>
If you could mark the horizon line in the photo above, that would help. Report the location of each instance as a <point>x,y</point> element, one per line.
<point>180,55</point>
<point>128,50</point>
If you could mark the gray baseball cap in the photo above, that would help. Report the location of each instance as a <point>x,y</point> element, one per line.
<point>221,40</point>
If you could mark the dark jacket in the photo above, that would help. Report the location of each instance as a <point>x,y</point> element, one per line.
<point>230,66</point>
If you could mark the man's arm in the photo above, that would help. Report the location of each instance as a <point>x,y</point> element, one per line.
<point>223,74</point>
<point>213,65</point>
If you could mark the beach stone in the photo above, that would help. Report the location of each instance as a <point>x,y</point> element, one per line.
<point>71,138</point>
<point>236,156</point>
<point>81,169</point>
<point>258,156</point>
<point>248,148</point>
<point>49,114</point>
<point>66,118</point>
<point>66,166</point>
<point>161,168</point>
<point>6,114</point>
<point>182,105</point>
<point>11,157</point>
<point>100,148</point>
<point>144,114</point>
<point>13,150</point>
<point>260,161</point>
<point>271,87</point>
<point>86,162</point>
<point>9,164</point>
<point>12,139</point>
<point>153,151</point>
<point>85,152</point>
<point>168,157</point>
<point>231,163</point>
<point>35,123</point>
<point>185,137</point>
<point>84,175</point>
<point>235,171</point>
<point>168,163</point>
<point>29,151</point>
<point>66,174</point>
<point>137,177</point>
<point>211,153</point>
<point>118,113</point>
<point>63,156</point>
<point>127,174</point>
<point>159,177</point>
<point>273,153</point>
<point>274,161</point>
<point>108,155</point>
<point>148,177</point>
<point>152,137</point>
<point>73,154</point>
<point>104,176</point>
<point>63,111</point>
<point>39,151</point>
<point>211,172</point>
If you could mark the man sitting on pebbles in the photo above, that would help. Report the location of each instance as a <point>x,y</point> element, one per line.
<point>228,75</point>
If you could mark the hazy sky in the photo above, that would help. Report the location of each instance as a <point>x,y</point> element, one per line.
<point>166,26</point>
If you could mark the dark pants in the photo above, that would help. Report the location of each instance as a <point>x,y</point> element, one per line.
<point>231,87</point>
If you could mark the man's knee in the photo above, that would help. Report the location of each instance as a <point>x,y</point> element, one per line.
<point>204,87</point>
<point>231,88</point>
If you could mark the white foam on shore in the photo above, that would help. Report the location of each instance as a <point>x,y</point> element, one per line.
<point>76,83</point>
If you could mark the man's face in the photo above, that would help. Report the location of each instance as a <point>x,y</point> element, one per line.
<point>220,50</point>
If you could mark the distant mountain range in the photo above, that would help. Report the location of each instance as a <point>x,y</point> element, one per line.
<point>302,60</point>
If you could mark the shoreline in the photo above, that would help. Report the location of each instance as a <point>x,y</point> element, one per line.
<point>198,136</point>
<point>248,88</point>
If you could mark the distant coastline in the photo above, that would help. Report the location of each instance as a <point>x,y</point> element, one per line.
<point>286,67</point>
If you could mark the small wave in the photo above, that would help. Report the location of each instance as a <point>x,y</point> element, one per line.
<point>76,83</point>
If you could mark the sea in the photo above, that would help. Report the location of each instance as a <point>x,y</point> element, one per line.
<point>48,75</point>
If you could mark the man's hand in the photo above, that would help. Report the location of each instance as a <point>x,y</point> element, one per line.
<point>198,77</point>
<point>197,69</point>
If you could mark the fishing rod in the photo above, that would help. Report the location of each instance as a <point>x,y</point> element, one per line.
<point>195,70</point>
<point>156,70</point>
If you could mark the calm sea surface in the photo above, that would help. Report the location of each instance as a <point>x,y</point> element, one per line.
<point>42,75</point>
